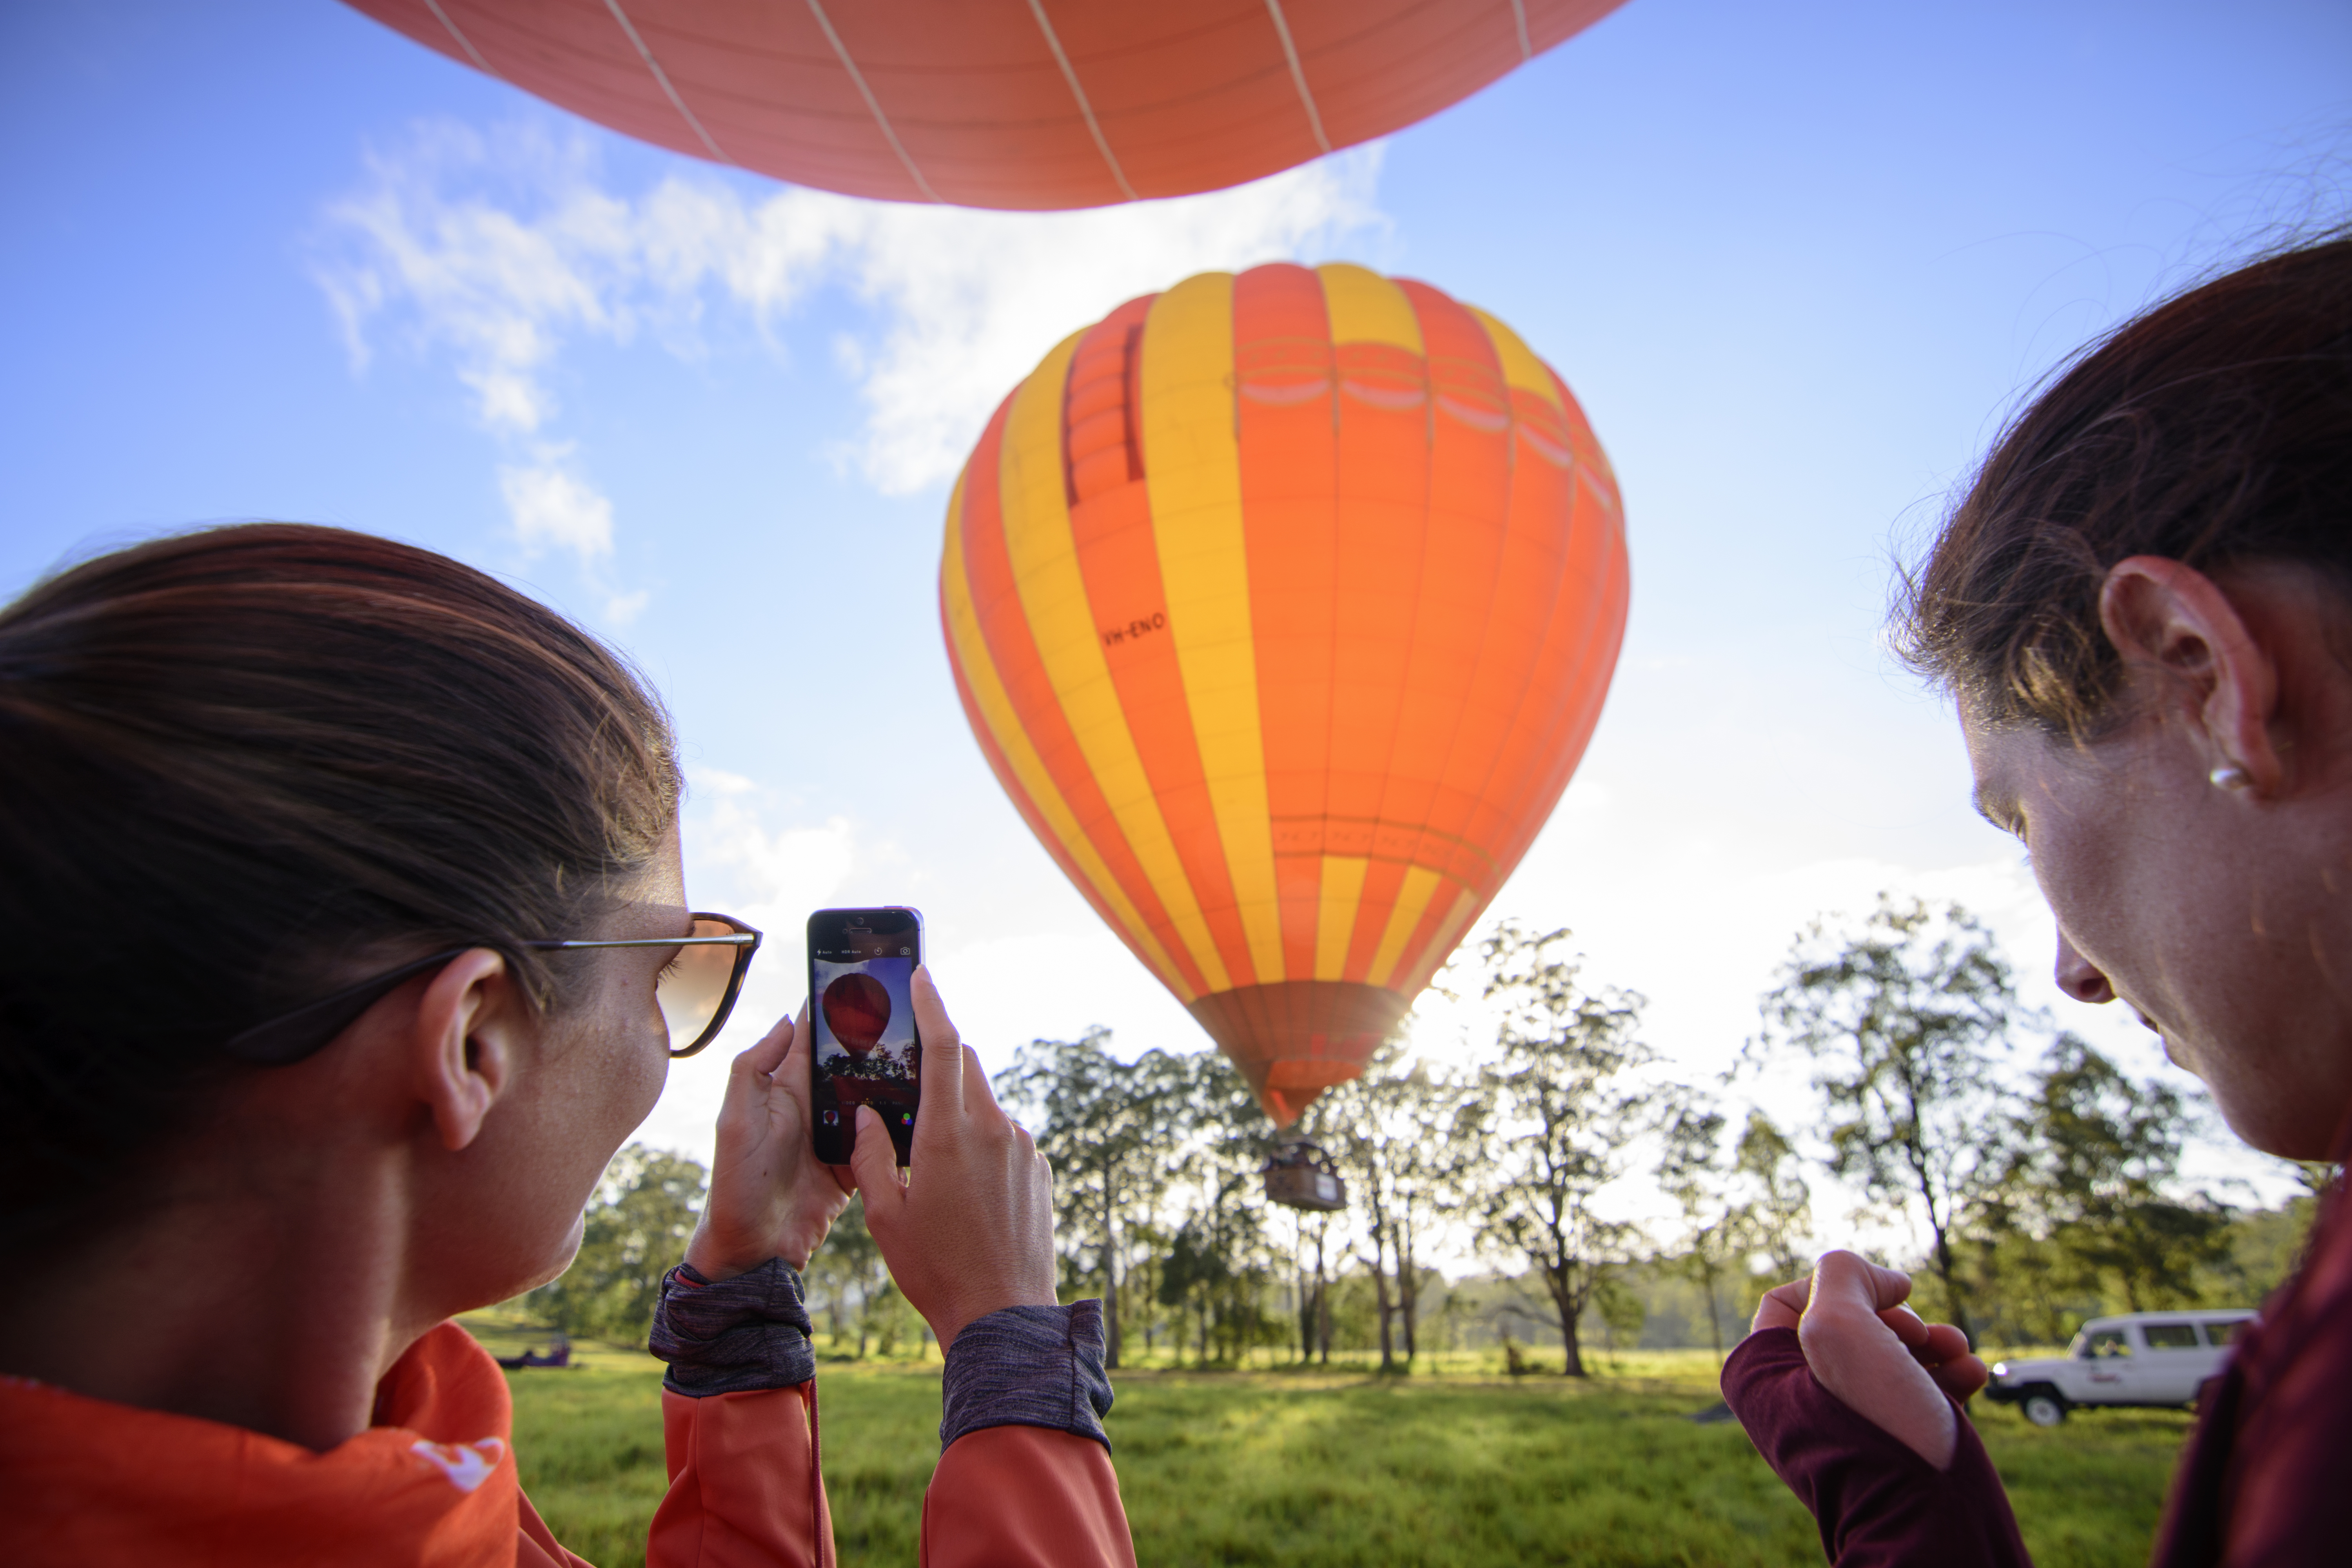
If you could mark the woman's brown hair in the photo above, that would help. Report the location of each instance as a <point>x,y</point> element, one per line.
<point>246,765</point>
<point>2213,430</point>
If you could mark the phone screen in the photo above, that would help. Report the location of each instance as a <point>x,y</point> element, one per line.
<point>861,1013</point>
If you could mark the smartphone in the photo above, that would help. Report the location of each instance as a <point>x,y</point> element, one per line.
<point>862,1008</point>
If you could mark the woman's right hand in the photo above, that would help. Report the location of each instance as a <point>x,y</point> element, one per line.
<point>969,1229</point>
<point>1874,1355</point>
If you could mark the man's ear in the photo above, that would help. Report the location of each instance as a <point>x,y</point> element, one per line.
<point>2174,621</point>
<point>469,1034</point>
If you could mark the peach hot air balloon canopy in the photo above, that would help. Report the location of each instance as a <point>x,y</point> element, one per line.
<point>998,103</point>
<point>1282,606</point>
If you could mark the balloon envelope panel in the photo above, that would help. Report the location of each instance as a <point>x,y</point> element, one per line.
<point>1282,606</point>
<point>856,1009</point>
<point>997,103</point>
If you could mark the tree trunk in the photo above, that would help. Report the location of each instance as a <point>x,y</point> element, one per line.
<point>1110,1272</point>
<point>1917,1158</point>
<point>1306,1312</point>
<point>1714,1319</point>
<point>1408,1294</point>
<point>1944,1272</point>
<point>1379,1294</point>
<point>1322,1297</point>
<point>1570,1310</point>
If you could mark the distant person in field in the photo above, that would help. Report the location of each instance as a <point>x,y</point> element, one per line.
<point>559,1355</point>
<point>301,833</point>
<point>2144,609</point>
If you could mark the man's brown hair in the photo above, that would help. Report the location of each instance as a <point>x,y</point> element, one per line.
<point>2213,430</point>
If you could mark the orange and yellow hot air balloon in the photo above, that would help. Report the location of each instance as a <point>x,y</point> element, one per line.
<point>1282,606</point>
<point>998,103</point>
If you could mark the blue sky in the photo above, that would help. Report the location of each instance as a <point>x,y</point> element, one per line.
<point>266,259</point>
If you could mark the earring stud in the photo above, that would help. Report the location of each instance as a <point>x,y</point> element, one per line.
<point>2230,775</point>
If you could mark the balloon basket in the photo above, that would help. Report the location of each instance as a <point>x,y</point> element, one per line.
<point>1299,1175</point>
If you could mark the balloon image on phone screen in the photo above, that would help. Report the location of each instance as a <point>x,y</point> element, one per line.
<point>861,1008</point>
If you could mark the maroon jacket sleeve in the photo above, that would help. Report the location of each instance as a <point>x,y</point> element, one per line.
<point>1877,1501</point>
<point>2262,1483</point>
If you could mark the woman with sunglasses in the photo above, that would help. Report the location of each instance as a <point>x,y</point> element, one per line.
<point>2144,608</point>
<point>343,940</point>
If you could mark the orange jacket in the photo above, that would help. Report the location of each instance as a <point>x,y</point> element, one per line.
<point>433,1485</point>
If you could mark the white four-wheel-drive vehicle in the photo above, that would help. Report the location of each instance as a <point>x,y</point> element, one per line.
<point>2144,1358</point>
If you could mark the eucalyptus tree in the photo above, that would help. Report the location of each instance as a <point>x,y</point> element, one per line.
<point>1353,1116</point>
<point>1105,1126</point>
<point>1410,1139</point>
<point>849,1278</point>
<point>1773,1195</point>
<point>1221,1263</point>
<point>1219,1268</point>
<point>1903,1018</point>
<point>2095,1171</point>
<point>637,1226</point>
<point>1561,1108</point>
<point>1717,1229</point>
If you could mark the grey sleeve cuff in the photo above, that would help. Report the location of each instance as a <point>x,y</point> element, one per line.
<point>735,1335</point>
<point>1028,1367</point>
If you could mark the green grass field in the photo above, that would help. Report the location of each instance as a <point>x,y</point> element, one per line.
<point>1458,1467</point>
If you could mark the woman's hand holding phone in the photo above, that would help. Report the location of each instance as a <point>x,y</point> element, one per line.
<point>968,1229</point>
<point>1874,1354</point>
<point>768,1196</point>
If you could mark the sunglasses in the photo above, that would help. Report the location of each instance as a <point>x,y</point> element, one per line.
<point>696,991</point>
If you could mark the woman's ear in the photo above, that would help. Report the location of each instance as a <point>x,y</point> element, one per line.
<point>471,1030</point>
<point>2173,620</point>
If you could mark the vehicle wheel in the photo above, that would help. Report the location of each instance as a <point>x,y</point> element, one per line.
<point>2044,1409</point>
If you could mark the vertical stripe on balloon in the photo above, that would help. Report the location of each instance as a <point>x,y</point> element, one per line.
<point>1382,492</point>
<point>1191,463</point>
<point>1110,526</point>
<point>1282,419</point>
<point>1006,740</point>
<point>1043,555</point>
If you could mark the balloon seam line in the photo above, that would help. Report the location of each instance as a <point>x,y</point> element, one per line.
<point>873,104</point>
<point>1070,75</point>
<point>1297,73</point>
<point>464,42</point>
<point>662,76</point>
<point>1519,17</point>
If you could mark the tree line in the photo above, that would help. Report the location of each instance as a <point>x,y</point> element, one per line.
<point>1562,1152</point>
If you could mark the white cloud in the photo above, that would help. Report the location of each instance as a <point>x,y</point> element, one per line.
<point>429,242</point>
<point>553,507</point>
<point>741,861</point>
<point>495,250</point>
<point>975,299</point>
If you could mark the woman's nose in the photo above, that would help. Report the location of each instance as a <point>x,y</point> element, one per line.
<point>2079,977</point>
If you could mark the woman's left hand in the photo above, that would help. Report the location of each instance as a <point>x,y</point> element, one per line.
<point>1874,1354</point>
<point>768,1196</point>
